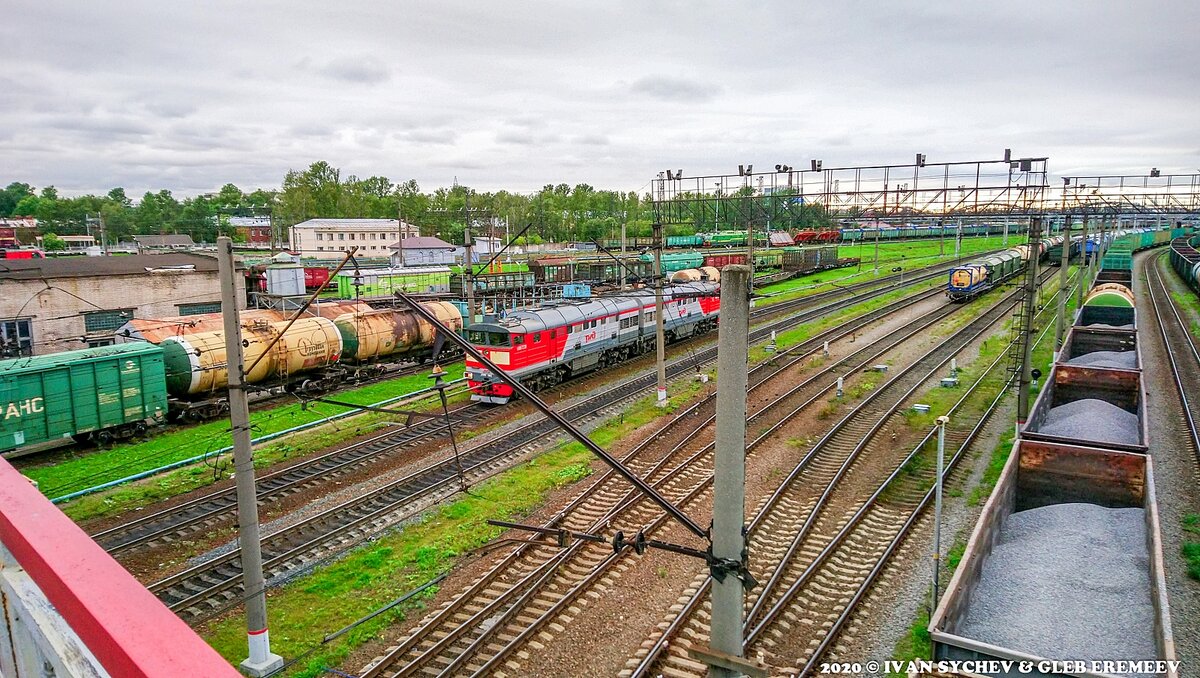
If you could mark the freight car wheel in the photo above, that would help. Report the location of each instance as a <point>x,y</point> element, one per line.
<point>103,438</point>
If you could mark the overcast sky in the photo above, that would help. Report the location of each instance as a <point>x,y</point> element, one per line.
<point>190,95</point>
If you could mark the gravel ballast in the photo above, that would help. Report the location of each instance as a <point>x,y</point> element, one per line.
<point>1094,420</point>
<point>1067,581</point>
<point>1115,359</point>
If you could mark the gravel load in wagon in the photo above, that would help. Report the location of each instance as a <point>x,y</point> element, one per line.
<point>1111,359</point>
<point>1067,581</point>
<point>1106,326</point>
<point>1092,419</point>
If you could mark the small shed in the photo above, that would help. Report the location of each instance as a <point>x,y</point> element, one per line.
<point>422,251</point>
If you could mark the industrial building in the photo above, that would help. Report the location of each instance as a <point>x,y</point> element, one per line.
<point>52,305</point>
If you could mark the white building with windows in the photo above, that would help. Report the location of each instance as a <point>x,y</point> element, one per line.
<point>332,238</point>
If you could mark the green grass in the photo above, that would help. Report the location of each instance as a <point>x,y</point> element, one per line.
<point>89,468</point>
<point>377,573</point>
<point>1190,549</point>
<point>914,255</point>
<point>917,643</point>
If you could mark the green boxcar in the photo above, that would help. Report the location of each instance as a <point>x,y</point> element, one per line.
<point>677,261</point>
<point>383,282</point>
<point>685,241</point>
<point>77,393</point>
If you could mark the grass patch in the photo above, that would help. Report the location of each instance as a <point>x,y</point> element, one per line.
<point>915,254</point>
<point>1191,548</point>
<point>378,573</point>
<point>95,467</point>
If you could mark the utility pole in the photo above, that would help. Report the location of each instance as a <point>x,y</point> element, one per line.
<point>729,469</point>
<point>1063,274</point>
<point>937,508</point>
<point>468,265</point>
<point>261,661</point>
<point>1030,311</point>
<point>1083,268</point>
<point>400,231</point>
<point>958,239</point>
<point>877,248</point>
<point>103,233</point>
<point>658,316</point>
<point>1005,243</point>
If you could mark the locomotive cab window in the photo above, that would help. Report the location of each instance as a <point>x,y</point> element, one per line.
<point>518,339</point>
<point>537,337</point>
<point>487,338</point>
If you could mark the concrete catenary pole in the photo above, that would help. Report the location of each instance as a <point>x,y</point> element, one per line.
<point>937,508</point>
<point>729,470</point>
<point>1083,269</point>
<point>1030,310</point>
<point>1060,324</point>
<point>659,325</point>
<point>261,661</point>
<point>468,264</point>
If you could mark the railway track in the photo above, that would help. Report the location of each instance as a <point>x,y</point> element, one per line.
<point>215,508</point>
<point>212,585</point>
<point>488,624</point>
<point>818,545</point>
<point>1180,346</point>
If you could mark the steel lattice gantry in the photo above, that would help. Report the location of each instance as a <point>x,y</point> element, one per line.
<point>788,197</point>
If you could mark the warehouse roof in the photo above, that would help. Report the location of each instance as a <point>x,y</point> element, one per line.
<point>169,240</point>
<point>86,267</point>
<point>423,242</point>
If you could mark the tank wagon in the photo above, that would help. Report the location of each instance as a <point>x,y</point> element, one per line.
<point>1109,306</point>
<point>164,368</point>
<point>314,354</point>
<point>1066,560</point>
<point>96,394</point>
<point>976,277</point>
<point>559,341</point>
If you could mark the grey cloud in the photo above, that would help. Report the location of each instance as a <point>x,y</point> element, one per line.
<point>361,70</point>
<point>667,88</point>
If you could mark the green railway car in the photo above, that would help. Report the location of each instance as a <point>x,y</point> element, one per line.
<point>676,261</point>
<point>767,260</point>
<point>99,393</point>
<point>727,239</point>
<point>383,282</point>
<point>685,241</point>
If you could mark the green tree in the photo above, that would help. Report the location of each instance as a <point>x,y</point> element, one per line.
<point>53,243</point>
<point>11,195</point>
<point>27,206</point>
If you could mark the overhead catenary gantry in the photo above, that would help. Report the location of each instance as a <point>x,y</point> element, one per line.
<point>1153,196</point>
<point>787,197</point>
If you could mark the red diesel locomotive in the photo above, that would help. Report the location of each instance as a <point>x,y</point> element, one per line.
<point>547,345</point>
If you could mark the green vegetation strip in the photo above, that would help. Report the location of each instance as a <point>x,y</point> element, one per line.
<point>93,467</point>
<point>381,571</point>
<point>914,255</point>
<point>1190,549</point>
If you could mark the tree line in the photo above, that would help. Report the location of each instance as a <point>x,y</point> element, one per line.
<point>557,212</point>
